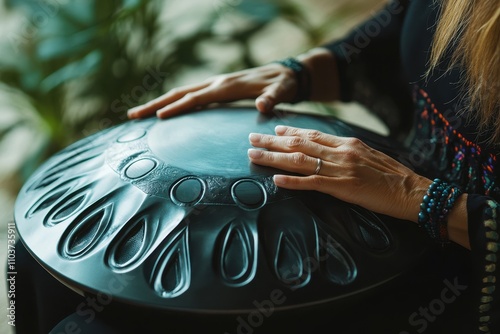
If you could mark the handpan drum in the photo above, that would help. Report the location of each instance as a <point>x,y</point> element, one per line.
<point>171,215</point>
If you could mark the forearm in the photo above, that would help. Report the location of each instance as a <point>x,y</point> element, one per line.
<point>321,65</point>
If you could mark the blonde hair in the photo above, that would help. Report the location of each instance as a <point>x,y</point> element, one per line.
<point>472,28</point>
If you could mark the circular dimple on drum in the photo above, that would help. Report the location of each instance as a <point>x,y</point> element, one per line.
<point>187,191</point>
<point>248,194</point>
<point>131,136</point>
<point>140,168</point>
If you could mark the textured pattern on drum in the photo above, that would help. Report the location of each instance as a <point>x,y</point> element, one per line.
<point>176,210</point>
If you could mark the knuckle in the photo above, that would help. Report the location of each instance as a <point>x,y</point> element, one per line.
<point>192,97</point>
<point>313,135</point>
<point>221,80</point>
<point>355,142</point>
<point>226,80</point>
<point>271,98</point>
<point>267,156</point>
<point>214,78</point>
<point>295,142</point>
<point>298,158</point>
<point>174,91</point>
<point>292,131</point>
<point>267,140</point>
<point>317,181</point>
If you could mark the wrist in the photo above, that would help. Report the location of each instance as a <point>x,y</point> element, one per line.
<point>302,78</point>
<point>416,191</point>
<point>437,203</point>
<point>322,68</point>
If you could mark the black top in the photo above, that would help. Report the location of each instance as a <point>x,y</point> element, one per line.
<point>382,64</point>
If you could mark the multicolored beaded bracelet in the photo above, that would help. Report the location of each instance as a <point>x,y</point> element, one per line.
<point>435,207</point>
<point>302,75</point>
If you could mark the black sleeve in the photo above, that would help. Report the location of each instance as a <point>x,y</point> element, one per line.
<point>483,221</point>
<point>369,67</point>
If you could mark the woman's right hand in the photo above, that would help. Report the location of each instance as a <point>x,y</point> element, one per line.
<point>268,85</point>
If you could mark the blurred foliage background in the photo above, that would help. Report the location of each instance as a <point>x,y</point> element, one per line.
<point>69,68</point>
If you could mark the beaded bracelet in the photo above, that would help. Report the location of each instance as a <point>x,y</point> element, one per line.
<point>434,209</point>
<point>302,75</point>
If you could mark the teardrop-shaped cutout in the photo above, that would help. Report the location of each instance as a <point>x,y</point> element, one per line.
<point>72,162</point>
<point>65,208</point>
<point>237,256</point>
<point>47,180</point>
<point>289,262</point>
<point>129,245</point>
<point>338,265</point>
<point>171,278</point>
<point>289,240</point>
<point>173,273</point>
<point>79,149</point>
<point>85,231</point>
<point>370,230</point>
<point>62,162</point>
<point>234,256</point>
<point>46,201</point>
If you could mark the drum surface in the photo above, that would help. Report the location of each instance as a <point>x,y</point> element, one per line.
<point>170,214</point>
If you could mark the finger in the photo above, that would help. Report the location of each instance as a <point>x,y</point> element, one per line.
<point>288,144</point>
<point>310,134</point>
<point>264,104</point>
<point>154,105</point>
<point>274,94</point>
<point>296,162</point>
<point>190,101</point>
<point>312,182</point>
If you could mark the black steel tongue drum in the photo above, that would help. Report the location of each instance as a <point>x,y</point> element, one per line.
<point>170,216</point>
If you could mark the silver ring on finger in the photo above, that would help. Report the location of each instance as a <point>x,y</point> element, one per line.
<point>319,163</point>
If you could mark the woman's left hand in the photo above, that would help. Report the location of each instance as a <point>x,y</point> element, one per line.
<point>349,170</point>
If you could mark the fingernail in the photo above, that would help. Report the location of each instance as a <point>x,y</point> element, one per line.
<point>162,113</point>
<point>280,129</point>
<point>131,112</point>
<point>279,180</point>
<point>254,137</point>
<point>254,154</point>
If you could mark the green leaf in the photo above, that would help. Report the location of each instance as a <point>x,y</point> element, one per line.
<point>64,46</point>
<point>259,10</point>
<point>80,68</point>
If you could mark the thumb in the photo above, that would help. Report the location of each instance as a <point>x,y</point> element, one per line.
<point>265,103</point>
<point>272,95</point>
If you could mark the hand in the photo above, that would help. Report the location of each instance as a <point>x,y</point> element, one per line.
<point>269,84</point>
<point>350,170</point>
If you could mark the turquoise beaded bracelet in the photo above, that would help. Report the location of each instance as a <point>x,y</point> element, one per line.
<point>435,207</point>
